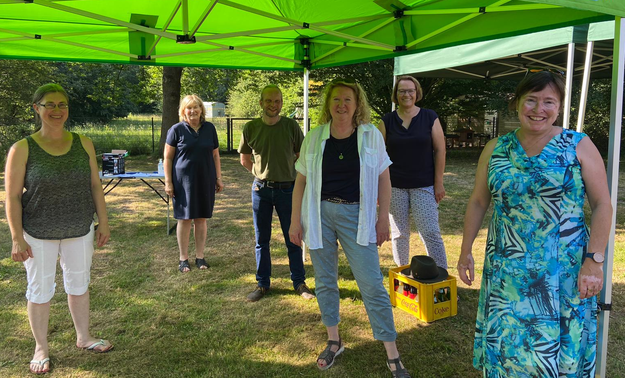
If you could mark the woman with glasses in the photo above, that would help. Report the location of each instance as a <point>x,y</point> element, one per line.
<point>53,189</point>
<point>192,177</point>
<point>537,313</point>
<point>342,176</point>
<point>415,142</point>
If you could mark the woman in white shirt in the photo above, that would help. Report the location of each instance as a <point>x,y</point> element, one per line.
<point>342,176</point>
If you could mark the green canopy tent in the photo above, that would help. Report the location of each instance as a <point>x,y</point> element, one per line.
<point>511,57</point>
<point>266,34</point>
<point>291,35</point>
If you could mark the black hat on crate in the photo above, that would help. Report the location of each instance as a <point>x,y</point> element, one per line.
<point>423,269</point>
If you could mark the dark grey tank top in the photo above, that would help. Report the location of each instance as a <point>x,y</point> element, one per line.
<point>57,203</point>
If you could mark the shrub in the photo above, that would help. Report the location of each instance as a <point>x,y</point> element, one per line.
<point>11,134</point>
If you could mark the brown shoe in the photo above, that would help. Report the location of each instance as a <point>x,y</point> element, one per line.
<point>257,294</point>
<point>305,292</point>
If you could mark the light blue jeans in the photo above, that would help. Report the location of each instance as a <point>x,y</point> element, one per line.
<point>340,222</point>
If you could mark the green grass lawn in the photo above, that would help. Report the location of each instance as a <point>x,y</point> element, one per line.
<point>166,324</point>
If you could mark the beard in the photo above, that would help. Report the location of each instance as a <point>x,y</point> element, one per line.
<point>272,113</point>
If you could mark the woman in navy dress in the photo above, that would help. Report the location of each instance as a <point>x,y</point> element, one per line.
<point>192,176</point>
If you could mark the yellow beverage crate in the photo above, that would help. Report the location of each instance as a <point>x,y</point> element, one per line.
<point>429,302</point>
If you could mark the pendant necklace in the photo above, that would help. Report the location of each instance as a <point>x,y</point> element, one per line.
<point>335,142</point>
<point>340,152</point>
<point>336,148</point>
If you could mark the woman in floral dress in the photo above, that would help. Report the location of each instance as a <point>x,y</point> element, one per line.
<point>543,267</point>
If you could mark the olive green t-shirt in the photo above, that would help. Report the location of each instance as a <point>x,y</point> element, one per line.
<point>273,147</point>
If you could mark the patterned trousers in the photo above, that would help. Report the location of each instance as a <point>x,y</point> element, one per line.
<point>421,204</point>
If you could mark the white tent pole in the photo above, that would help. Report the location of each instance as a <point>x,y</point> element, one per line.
<point>616,119</point>
<point>392,103</point>
<point>569,86</point>
<point>306,127</point>
<point>584,90</point>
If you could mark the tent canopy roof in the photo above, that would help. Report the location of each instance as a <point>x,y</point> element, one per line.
<point>271,34</point>
<point>511,58</point>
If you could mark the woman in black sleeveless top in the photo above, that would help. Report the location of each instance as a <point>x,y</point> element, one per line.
<point>53,189</point>
<point>415,142</point>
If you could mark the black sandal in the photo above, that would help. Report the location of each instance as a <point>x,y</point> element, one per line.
<point>328,355</point>
<point>184,264</point>
<point>400,372</point>
<point>200,263</point>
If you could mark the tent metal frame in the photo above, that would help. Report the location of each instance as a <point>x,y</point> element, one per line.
<point>616,120</point>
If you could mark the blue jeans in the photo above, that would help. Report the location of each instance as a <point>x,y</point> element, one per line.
<point>264,200</point>
<point>340,222</point>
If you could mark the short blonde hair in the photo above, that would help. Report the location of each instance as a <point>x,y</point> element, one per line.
<point>362,115</point>
<point>417,85</point>
<point>191,99</point>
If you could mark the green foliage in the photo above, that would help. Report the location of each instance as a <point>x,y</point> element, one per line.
<point>465,98</point>
<point>209,84</point>
<point>100,92</point>
<point>151,94</point>
<point>11,134</point>
<point>597,118</point>
<point>243,99</point>
<point>19,79</point>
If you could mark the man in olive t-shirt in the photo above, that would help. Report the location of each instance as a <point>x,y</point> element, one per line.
<point>274,141</point>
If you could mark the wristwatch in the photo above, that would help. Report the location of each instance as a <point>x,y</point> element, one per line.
<point>595,256</point>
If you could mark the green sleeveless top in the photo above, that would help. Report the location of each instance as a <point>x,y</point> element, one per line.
<point>57,203</point>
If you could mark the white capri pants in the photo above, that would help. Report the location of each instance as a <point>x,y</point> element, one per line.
<point>76,255</point>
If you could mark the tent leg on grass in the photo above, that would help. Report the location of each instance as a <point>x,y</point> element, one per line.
<point>616,120</point>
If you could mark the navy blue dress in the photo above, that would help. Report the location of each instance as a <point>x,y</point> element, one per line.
<point>193,173</point>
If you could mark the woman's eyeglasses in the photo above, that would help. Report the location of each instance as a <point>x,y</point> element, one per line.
<point>51,105</point>
<point>407,91</point>
<point>547,104</point>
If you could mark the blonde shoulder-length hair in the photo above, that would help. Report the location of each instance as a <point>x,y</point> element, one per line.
<point>186,101</point>
<point>362,115</point>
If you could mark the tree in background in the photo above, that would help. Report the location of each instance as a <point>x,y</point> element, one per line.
<point>171,99</point>
<point>210,84</point>
<point>597,118</point>
<point>466,98</point>
<point>101,92</point>
<point>19,80</point>
<point>243,98</point>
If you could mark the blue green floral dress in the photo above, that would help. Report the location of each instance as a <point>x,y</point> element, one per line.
<point>531,321</point>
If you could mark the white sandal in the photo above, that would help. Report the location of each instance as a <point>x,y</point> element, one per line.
<point>40,363</point>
